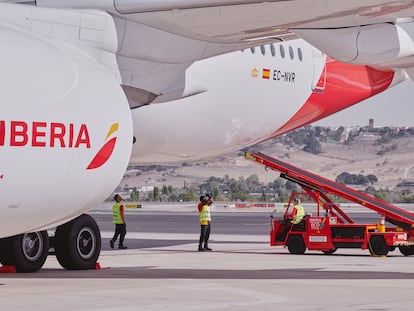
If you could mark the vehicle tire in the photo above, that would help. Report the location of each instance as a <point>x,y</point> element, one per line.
<point>407,250</point>
<point>377,246</point>
<point>27,252</point>
<point>330,251</point>
<point>295,244</point>
<point>78,243</point>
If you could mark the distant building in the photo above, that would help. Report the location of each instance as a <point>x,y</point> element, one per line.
<point>371,124</point>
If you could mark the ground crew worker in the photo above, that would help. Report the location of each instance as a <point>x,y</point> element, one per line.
<point>298,212</point>
<point>205,223</point>
<point>201,203</point>
<point>118,218</point>
<point>296,217</point>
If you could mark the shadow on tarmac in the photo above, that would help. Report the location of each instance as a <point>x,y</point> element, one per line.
<point>136,244</point>
<point>146,243</point>
<point>149,272</point>
<point>154,243</point>
<point>155,272</point>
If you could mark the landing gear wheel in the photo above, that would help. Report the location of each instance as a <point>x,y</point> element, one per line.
<point>27,252</point>
<point>78,243</point>
<point>295,244</point>
<point>407,250</point>
<point>377,246</point>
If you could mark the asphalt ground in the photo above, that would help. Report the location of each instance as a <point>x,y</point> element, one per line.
<point>162,270</point>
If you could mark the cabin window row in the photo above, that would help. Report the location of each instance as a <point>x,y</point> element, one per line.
<point>283,52</point>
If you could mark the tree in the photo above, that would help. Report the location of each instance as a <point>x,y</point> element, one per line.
<point>338,133</point>
<point>264,195</point>
<point>291,186</point>
<point>156,194</point>
<point>372,178</point>
<point>344,178</point>
<point>134,196</point>
<point>216,194</point>
<point>283,196</point>
<point>188,195</point>
<point>354,179</point>
<point>313,146</point>
<point>370,190</point>
<point>252,183</point>
<point>383,195</point>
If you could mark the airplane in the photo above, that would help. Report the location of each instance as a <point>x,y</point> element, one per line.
<point>88,87</point>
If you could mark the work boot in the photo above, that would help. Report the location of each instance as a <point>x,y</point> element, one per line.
<point>122,247</point>
<point>207,248</point>
<point>200,249</point>
<point>111,242</point>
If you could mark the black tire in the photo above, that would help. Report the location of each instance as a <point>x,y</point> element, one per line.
<point>407,250</point>
<point>330,251</point>
<point>377,246</point>
<point>295,244</point>
<point>78,243</point>
<point>27,252</point>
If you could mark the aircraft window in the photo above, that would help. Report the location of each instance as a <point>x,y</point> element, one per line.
<point>282,51</point>
<point>300,54</point>
<point>253,50</point>
<point>272,50</point>
<point>262,49</point>
<point>291,52</point>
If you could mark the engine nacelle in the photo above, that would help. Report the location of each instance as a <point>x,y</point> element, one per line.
<point>65,134</point>
<point>385,45</point>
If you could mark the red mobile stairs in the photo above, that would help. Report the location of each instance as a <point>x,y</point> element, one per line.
<point>340,229</point>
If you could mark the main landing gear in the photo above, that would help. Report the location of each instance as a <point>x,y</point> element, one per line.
<point>77,246</point>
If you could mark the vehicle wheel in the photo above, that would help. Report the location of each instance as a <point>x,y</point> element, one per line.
<point>330,251</point>
<point>295,244</point>
<point>377,246</point>
<point>407,250</point>
<point>27,252</point>
<point>78,243</point>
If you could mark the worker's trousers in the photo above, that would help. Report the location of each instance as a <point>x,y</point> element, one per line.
<point>204,235</point>
<point>120,230</point>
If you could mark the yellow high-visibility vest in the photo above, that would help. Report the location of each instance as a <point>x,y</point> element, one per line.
<point>204,215</point>
<point>300,212</point>
<point>116,214</point>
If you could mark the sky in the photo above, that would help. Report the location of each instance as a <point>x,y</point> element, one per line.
<point>394,107</point>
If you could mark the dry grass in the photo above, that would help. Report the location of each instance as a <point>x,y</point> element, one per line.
<point>358,158</point>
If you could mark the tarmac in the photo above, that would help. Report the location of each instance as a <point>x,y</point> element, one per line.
<point>241,273</point>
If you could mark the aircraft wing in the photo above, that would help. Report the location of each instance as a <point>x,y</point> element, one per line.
<point>231,21</point>
<point>159,40</point>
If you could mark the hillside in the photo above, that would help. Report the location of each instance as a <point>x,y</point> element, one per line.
<point>391,160</point>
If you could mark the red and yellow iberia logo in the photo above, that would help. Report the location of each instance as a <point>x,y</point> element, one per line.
<point>106,151</point>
